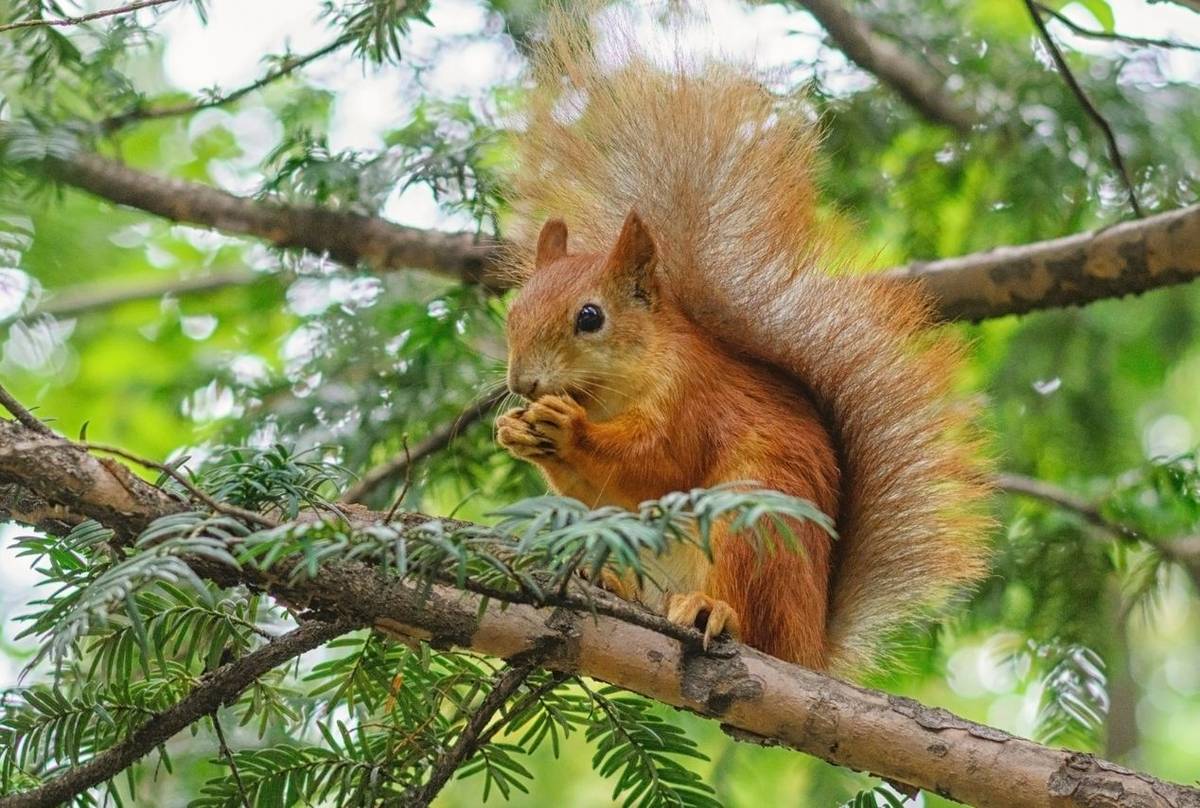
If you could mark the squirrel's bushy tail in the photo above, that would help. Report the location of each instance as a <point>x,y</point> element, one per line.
<point>720,169</point>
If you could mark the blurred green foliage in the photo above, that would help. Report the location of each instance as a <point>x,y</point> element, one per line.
<point>1074,630</point>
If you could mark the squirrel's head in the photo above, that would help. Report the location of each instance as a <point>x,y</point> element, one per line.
<point>582,323</point>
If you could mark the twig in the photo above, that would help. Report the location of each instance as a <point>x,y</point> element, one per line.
<point>1146,42</point>
<point>36,22</point>
<point>407,480</point>
<point>472,736</point>
<point>1064,499</point>
<point>173,473</point>
<point>556,679</point>
<point>214,689</point>
<point>83,299</point>
<point>1114,151</point>
<point>288,67</point>
<point>1183,551</point>
<point>437,440</point>
<point>223,748</point>
<point>23,415</point>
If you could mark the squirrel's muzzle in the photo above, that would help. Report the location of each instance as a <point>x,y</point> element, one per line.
<point>523,385</point>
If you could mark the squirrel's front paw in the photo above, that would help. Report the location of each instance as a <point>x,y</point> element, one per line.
<point>548,427</point>
<point>698,610</point>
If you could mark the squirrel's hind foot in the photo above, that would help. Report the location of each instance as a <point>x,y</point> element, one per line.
<point>698,610</point>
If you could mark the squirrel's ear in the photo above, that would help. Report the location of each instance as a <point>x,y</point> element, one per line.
<point>552,242</point>
<point>634,255</point>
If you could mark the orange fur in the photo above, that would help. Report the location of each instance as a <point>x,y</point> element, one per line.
<point>731,350</point>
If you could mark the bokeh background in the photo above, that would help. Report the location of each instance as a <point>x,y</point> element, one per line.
<point>1076,639</point>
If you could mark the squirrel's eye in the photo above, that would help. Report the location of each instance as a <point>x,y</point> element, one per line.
<point>589,319</point>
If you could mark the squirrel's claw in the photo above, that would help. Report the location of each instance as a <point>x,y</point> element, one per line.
<point>546,428</point>
<point>609,581</point>
<point>556,417</point>
<point>520,437</point>
<point>698,610</point>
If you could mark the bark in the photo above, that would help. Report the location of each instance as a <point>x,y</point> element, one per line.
<point>349,238</point>
<point>755,695</point>
<point>1128,258</point>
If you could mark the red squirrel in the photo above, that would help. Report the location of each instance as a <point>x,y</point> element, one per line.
<point>695,330</point>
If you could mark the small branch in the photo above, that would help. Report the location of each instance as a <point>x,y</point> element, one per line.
<point>220,687</point>
<point>23,415</point>
<point>407,480</point>
<point>1144,42</point>
<point>916,83</point>
<point>220,507</point>
<point>1114,151</point>
<point>112,12</point>
<point>84,299</point>
<point>289,66</point>
<point>1064,499</point>
<point>227,754</point>
<point>400,464</point>
<point>472,736</point>
<point>1184,551</point>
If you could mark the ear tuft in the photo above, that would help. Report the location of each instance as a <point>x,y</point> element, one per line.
<point>634,254</point>
<point>552,242</point>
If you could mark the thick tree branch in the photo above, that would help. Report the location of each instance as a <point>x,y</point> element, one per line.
<point>348,238</point>
<point>397,466</point>
<point>214,690</point>
<point>1128,258</point>
<point>916,82</point>
<point>754,694</point>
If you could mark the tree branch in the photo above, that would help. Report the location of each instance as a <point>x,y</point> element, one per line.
<point>215,689</point>
<point>915,81</point>
<point>473,734</point>
<point>84,299</point>
<point>288,66</point>
<point>1114,151</point>
<point>1145,42</point>
<point>1128,258</point>
<point>1183,551</point>
<point>349,238</point>
<point>37,22</point>
<point>753,693</point>
<point>398,465</point>
<point>24,416</point>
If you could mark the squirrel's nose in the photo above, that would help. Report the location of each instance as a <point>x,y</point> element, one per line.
<point>524,386</point>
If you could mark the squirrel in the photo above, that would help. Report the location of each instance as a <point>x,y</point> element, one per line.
<point>695,328</point>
